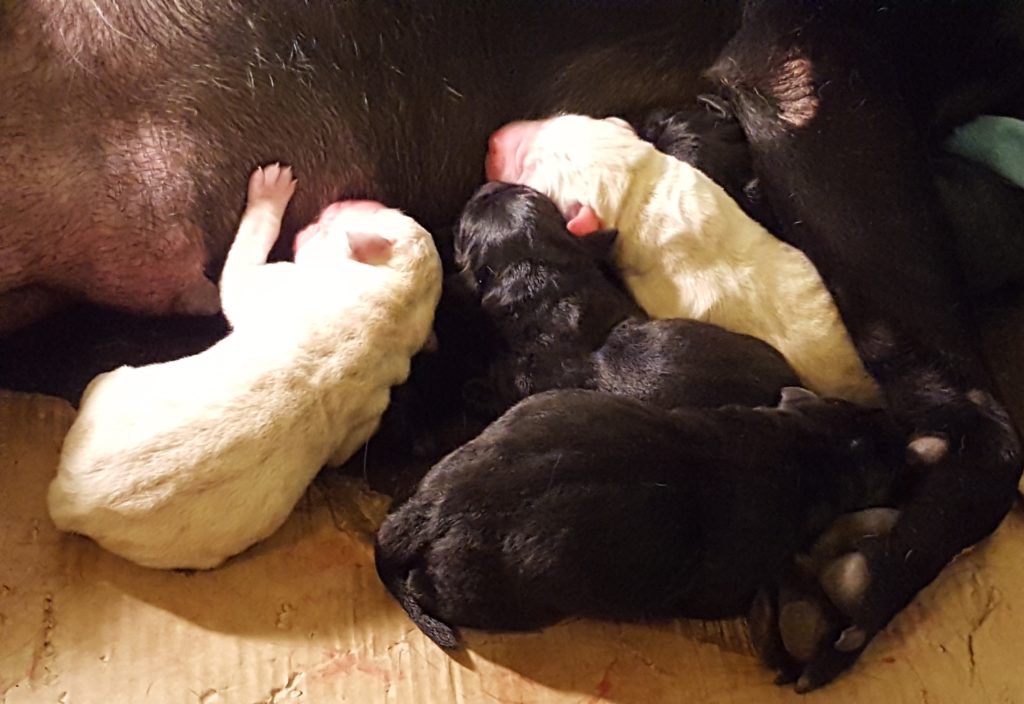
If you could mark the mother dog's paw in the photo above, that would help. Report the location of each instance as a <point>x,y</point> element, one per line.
<point>810,627</point>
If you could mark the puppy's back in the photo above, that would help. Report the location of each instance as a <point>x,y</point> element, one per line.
<point>700,256</point>
<point>583,503</point>
<point>579,503</point>
<point>676,362</point>
<point>186,463</point>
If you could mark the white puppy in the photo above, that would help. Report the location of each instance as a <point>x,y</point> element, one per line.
<point>685,248</point>
<point>187,463</point>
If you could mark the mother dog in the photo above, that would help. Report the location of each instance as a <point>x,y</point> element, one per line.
<point>128,129</point>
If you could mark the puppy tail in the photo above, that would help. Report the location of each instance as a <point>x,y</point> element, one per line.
<point>441,633</point>
<point>401,581</point>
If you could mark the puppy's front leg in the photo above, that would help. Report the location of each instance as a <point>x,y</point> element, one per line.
<point>270,189</point>
<point>844,166</point>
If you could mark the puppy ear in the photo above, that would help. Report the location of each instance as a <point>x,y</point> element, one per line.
<point>583,220</point>
<point>369,247</point>
<point>620,122</point>
<point>795,394</point>
<point>600,244</point>
<point>715,103</point>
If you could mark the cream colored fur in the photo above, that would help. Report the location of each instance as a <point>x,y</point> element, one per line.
<point>187,463</point>
<point>687,250</point>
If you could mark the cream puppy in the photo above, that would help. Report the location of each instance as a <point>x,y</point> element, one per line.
<point>187,463</point>
<point>685,248</point>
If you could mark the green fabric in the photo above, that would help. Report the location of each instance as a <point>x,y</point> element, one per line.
<point>995,141</point>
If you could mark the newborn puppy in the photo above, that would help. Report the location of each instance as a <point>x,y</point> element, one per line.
<point>984,208</point>
<point>578,503</point>
<point>685,248</point>
<point>712,141</point>
<point>186,463</point>
<point>561,319</point>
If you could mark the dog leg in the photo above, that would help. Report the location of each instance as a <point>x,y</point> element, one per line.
<point>843,162</point>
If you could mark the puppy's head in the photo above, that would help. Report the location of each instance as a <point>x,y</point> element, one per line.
<point>362,231</point>
<point>585,165</point>
<point>504,225</point>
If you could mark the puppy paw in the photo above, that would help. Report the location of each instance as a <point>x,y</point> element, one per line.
<point>271,187</point>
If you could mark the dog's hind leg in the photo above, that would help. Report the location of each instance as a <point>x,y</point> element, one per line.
<point>842,155</point>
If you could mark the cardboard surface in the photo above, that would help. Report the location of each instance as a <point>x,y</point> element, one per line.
<point>303,618</point>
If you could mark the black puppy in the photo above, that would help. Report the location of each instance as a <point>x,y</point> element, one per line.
<point>561,318</point>
<point>710,138</point>
<point>983,209</point>
<point>578,503</point>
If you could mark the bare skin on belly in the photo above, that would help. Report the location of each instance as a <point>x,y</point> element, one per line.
<point>129,135</point>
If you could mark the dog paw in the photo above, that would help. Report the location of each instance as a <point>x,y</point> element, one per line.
<point>808,641</point>
<point>766,635</point>
<point>809,628</point>
<point>271,186</point>
<point>869,565</point>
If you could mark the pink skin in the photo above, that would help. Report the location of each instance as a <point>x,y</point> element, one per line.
<point>507,153</point>
<point>508,148</point>
<point>330,214</point>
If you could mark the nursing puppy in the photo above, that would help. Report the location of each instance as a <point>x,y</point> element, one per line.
<point>578,503</point>
<point>685,248</point>
<point>187,463</point>
<point>561,319</point>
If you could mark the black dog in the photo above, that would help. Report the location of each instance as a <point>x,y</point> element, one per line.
<point>841,103</point>
<point>578,503</point>
<point>841,108</point>
<point>561,319</point>
<point>985,210</point>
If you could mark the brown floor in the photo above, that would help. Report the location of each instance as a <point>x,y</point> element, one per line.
<point>302,617</point>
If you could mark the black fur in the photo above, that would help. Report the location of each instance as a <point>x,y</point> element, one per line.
<point>841,108</point>
<point>983,208</point>
<point>712,141</point>
<point>892,78</point>
<point>561,318</point>
<point>579,503</point>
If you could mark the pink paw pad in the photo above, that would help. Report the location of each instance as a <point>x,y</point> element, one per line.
<point>272,184</point>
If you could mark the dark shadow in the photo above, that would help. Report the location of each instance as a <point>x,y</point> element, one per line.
<point>61,354</point>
